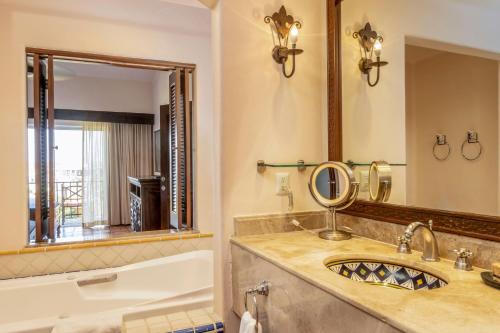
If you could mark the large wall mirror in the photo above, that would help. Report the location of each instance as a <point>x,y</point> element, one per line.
<point>110,146</point>
<point>416,84</point>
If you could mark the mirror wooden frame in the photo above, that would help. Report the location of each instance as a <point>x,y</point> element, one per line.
<point>465,224</point>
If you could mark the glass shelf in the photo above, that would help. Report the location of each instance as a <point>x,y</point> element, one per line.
<point>355,164</point>
<point>301,165</point>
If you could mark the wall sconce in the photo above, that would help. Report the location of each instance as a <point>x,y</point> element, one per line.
<point>284,26</point>
<point>370,42</point>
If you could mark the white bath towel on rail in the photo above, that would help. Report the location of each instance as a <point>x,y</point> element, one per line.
<point>104,322</point>
<point>248,324</point>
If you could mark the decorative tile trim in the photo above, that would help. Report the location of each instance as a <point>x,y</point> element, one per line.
<point>195,321</point>
<point>104,243</point>
<point>80,257</point>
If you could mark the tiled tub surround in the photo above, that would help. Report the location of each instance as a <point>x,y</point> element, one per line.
<point>42,260</point>
<point>485,252</point>
<point>91,298</point>
<point>307,296</point>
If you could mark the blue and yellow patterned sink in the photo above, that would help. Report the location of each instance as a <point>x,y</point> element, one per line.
<point>386,274</point>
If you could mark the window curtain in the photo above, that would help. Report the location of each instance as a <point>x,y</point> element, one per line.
<point>130,150</point>
<point>95,174</point>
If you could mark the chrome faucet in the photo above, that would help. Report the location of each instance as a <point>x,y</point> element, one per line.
<point>431,251</point>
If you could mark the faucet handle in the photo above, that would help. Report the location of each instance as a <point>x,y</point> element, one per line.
<point>404,244</point>
<point>403,239</point>
<point>431,224</point>
<point>463,253</point>
<point>463,261</point>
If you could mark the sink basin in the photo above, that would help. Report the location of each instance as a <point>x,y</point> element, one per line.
<point>386,274</point>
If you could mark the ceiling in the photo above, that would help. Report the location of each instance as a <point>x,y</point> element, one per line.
<point>68,70</point>
<point>185,16</point>
<point>102,71</point>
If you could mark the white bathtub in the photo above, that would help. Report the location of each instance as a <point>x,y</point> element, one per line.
<point>169,284</point>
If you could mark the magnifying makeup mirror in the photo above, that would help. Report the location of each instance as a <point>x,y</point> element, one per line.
<point>380,181</point>
<point>333,186</point>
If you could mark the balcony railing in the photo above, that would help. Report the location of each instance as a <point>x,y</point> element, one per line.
<point>69,199</point>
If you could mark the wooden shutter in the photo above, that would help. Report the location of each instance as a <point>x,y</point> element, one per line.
<point>180,119</point>
<point>51,148</point>
<point>41,167</point>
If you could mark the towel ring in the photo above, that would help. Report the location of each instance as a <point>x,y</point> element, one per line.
<point>256,307</point>
<point>441,141</point>
<point>261,289</point>
<point>472,138</point>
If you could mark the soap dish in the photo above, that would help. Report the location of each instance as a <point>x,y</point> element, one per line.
<point>490,280</point>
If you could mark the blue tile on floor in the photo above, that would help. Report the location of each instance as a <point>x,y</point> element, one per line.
<point>205,328</point>
<point>185,330</point>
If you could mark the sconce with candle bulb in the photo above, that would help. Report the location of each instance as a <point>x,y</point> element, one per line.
<point>285,29</point>
<point>370,43</point>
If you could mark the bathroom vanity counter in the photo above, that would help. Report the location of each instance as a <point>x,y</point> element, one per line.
<point>466,304</point>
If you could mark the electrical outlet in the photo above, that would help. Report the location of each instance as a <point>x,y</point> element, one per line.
<point>282,183</point>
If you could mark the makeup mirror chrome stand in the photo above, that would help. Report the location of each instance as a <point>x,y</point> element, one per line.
<point>338,191</point>
<point>332,233</point>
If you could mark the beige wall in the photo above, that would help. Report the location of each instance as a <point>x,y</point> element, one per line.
<point>264,115</point>
<point>101,94</point>
<point>374,118</point>
<point>442,103</point>
<point>20,28</point>
<point>160,95</point>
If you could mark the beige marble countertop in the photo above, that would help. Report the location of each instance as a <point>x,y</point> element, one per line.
<point>466,304</point>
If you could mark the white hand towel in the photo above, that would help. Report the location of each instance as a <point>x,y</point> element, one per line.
<point>248,323</point>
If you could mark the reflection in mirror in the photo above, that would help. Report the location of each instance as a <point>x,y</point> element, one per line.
<point>109,149</point>
<point>380,181</point>
<point>332,185</point>
<point>437,102</point>
<point>435,108</point>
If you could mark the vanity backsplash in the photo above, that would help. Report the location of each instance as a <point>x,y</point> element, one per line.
<point>484,252</point>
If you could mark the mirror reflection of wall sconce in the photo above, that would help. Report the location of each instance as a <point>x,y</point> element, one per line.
<point>285,28</point>
<point>370,43</point>
<point>472,139</point>
<point>441,141</point>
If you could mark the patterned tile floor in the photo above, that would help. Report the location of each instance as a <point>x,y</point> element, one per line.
<point>195,321</point>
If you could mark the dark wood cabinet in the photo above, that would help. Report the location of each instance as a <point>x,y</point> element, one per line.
<point>145,203</point>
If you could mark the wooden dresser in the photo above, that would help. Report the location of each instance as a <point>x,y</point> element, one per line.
<point>145,203</point>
